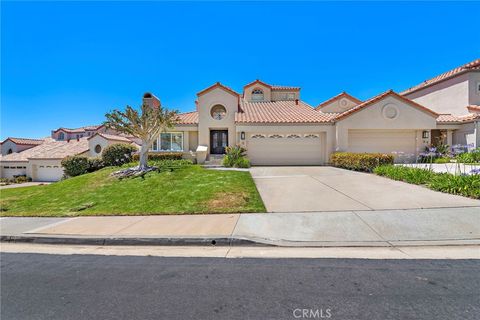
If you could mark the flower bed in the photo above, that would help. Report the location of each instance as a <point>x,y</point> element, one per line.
<point>465,185</point>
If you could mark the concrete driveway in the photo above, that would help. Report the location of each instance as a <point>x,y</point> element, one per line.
<point>302,189</point>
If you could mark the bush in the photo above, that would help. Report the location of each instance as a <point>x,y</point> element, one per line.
<point>442,160</point>
<point>158,156</point>
<point>95,164</point>
<point>75,165</point>
<point>406,174</point>
<point>465,185</point>
<point>22,179</point>
<point>118,154</point>
<point>360,161</point>
<point>469,157</point>
<point>236,157</point>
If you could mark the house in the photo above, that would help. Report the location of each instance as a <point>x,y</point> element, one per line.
<point>455,95</point>
<point>11,145</point>
<point>43,162</point>
<point>278,128</point>
<point>76,133</point>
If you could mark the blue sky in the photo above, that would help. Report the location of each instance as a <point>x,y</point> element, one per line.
<point>68,63</point>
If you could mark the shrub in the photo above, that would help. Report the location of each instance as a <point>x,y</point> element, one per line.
<point>442,160</point>
<point>22,179</point>
<point>469,157</point>
<point>406,174</point>
<point>75,165</point>
<point>158,156</point>
<point>95,164</point>
<point>236,157</point>
<point>360,161</point>
<point>465,185</point>
<point>118,154</point>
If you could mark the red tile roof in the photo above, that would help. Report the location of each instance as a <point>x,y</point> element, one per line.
<point>50,149</point>
<point>474,65</point>
<point>338,97</point>
<point>25,141</point>
<point>113,137</point>
<point>380,97</point>
<point>280,112</point>
<point>218,85</point>
<point>188,118</point>
<point>273,87</point>
<point>81,129</point>
<point>449,118</point>
<point>473,108</point>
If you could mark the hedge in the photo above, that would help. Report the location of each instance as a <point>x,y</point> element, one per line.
<point>157,156</point>
<point>360,161</point>
<point>118,154</point>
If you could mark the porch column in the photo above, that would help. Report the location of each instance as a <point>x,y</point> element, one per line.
<point>449,137</point>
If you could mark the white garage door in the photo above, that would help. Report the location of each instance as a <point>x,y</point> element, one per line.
<point>49,173</point>
<point>10,171</point>
<point>286,149</point>
<point>399,142</point>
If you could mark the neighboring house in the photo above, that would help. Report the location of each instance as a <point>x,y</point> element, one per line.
<point>99,141</point>
<point>43,162</point>
<point>11,145</point>
<point>77,133</point>
<point>455,95</point>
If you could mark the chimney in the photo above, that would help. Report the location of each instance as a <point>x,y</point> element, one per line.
<point>296,102</point>
<point>150,100</point>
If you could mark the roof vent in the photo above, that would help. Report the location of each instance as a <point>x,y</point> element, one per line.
<point>296,102</point>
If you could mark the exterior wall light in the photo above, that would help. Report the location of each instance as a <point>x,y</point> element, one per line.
<point>425,134</point>
<point>242,135</point>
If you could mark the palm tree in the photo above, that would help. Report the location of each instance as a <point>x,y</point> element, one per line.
<point>145,125</point>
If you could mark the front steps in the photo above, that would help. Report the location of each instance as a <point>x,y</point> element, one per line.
<point>214,161</point>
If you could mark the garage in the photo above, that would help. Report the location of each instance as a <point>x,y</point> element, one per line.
<point>402,142</point>
<point>12,170</point>
<point>49,173</point>
<point>286,149</point>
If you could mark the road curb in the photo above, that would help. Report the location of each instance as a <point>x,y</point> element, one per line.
<point>134,241</point>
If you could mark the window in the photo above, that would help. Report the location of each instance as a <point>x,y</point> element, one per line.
<point>98,148</point>
<point>287,96</point>
<point>218,112</point>
<point>169,141</point>
<point>293,136</point>
<point>9,151</point>
<point>258,136</point>
<point>478,87</point>
<point>257,95</point>
<point>61,136</point>
<point>275,136</point>
<point>312,136</point>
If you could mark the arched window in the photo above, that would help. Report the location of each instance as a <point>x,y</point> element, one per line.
<point>218,112</point>
<point>257,95</point>
<point>61,136</point>
<point>9,151</point>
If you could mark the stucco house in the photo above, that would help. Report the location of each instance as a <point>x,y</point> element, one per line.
<point>455,95</point>
<point>11,145</point>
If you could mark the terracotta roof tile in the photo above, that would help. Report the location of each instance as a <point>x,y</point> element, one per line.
<point>50,149</point>
<point>449,118</point>
<point>81,129</point>
<point>188,118</point>
<point>474,65</point>
<point>280,112</point>
<point>273,87</point>
<point>338,97</point>
<point>380,97</point>
<point>473,108</point>
<point>24,141</point>
<point>113,137</point>
<point>218,85</point>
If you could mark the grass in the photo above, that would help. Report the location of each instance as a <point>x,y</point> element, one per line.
<point>189,190</point>
<point>464,185</point>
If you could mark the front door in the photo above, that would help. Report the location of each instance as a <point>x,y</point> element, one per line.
<point>218,141</point>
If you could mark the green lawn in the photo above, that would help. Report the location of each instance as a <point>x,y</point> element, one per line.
<point>188,190</point>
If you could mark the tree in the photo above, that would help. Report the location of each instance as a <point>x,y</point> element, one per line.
<point>145,125</point>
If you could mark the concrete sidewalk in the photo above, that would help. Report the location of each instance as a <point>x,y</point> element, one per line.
<point>444,226</point>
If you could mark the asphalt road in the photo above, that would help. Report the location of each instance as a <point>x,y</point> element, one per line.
<point>35,286</point>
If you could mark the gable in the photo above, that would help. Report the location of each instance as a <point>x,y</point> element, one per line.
<point>339,103</point>
<point>389,111</point>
